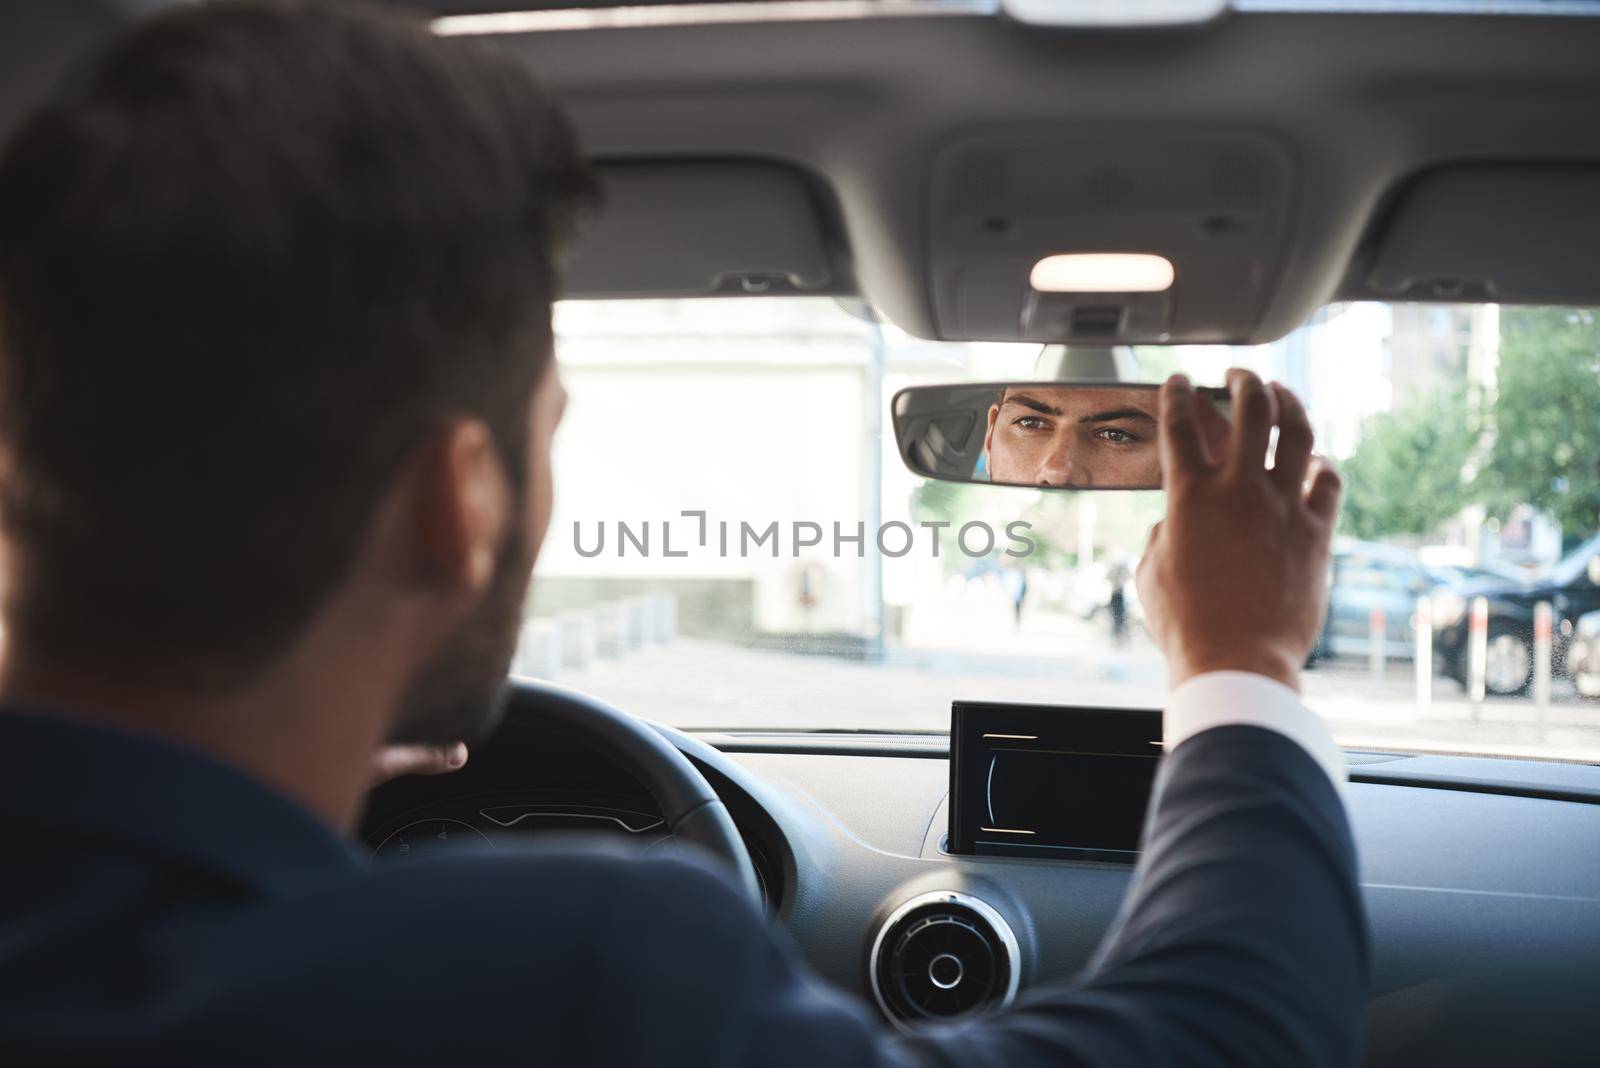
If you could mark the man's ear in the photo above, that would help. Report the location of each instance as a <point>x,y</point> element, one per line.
<point>462,506</point>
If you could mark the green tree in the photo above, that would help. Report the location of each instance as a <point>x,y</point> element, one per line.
<point>1406,475</point>
<point>1547,415</point>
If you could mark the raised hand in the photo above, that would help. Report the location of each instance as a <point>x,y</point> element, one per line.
<point>1235,577</point>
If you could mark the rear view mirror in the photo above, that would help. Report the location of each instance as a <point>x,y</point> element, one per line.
<point>1062,435</point>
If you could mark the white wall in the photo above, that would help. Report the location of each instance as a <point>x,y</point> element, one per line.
<point>747,428</point>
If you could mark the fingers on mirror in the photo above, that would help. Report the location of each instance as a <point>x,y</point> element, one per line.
<point>1295,439</point>
<point>1213,425</point>
<point>1255,410</point>
<point>1183,451</point>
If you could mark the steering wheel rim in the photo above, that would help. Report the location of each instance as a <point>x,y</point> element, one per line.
<point>691,809</point>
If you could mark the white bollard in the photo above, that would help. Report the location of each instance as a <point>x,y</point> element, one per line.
<point>662,617</point>
<point>1377,643</point>
<point>635,622</point>
<point>667,617</point>
<point>1543,618</point>
<point>650,619</point>
<point>609,640</point>
<point>538,653</point>
<point>655,608</point>
<point>579,643</point>
<point>1477,653</point>
<point>1422,627</point>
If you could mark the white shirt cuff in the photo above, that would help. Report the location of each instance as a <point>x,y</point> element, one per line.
<point>1240,698</point>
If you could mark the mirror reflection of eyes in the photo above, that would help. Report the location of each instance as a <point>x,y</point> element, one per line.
<point>1118,436</point>
<point>1142,432</point>
<point>1040,434</point>
<point>1141,426</point>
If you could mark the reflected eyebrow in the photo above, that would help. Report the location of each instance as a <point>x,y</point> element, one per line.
<point>1114,414</point>
<point>1031,402</point>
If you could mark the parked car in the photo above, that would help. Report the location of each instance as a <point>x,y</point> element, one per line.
<point>1490,571</point>
<point>1583,655</point>
<point>1368,577</point>
<point>1571,586</point>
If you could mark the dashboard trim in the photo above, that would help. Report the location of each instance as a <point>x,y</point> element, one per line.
<point>1571,781</point>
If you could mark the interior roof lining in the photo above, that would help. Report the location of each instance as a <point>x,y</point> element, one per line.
<point>1363,103</point>
<point>1368,94</point>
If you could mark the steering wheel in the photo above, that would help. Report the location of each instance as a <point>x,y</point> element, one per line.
<point>690,807</point>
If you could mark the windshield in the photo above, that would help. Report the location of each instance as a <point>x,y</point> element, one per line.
<point>737,545</point>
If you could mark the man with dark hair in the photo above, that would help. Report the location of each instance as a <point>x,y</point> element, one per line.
<point>276,402</point>
<point>246,284</point>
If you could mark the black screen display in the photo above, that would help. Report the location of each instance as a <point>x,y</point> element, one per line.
<point>1050,781</point>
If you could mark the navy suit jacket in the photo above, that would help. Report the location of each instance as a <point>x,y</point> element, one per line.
<point>156,906</point>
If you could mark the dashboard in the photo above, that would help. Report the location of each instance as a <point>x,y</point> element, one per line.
<point>1050,781</point>
<point>1468,864</point>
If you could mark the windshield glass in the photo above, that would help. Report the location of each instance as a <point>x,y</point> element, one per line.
<point>736,543</point>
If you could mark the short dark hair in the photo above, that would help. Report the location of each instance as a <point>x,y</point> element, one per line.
<point>249,260</point>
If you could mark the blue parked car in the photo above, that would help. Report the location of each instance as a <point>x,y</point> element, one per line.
<point>1368,576</point>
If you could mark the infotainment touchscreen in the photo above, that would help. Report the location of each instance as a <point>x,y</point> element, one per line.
<point>1050,781</point>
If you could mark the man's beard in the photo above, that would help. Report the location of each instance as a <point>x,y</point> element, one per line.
<point>460,695</point>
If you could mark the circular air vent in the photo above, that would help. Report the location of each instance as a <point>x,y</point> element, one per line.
<point>940,955</point>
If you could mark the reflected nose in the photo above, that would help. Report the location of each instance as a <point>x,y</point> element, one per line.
<point>1056,470</point>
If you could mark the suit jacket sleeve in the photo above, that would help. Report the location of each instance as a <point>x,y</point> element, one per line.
<point>1242,941</point>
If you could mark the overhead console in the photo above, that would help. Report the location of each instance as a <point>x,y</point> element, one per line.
<point>1213,202</point>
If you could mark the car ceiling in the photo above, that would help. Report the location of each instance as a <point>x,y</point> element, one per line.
<point>1280,159</point>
